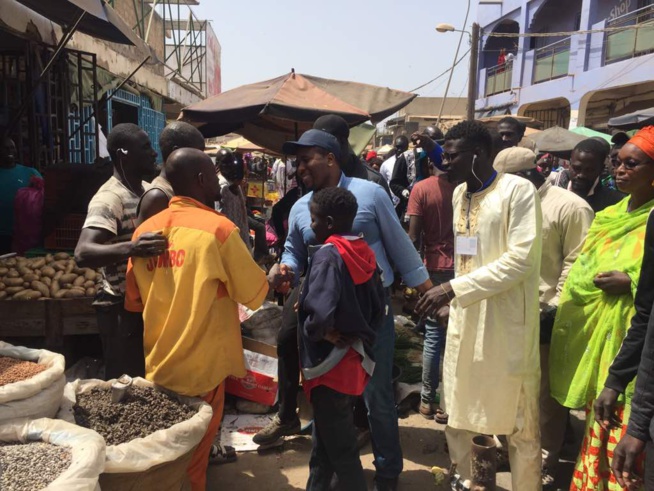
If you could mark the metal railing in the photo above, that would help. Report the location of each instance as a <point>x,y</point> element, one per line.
<point>498,78</point>
<point>552,61</point>
<point>632,42</point>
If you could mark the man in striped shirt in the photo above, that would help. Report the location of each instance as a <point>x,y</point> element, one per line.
<point>106,243</point>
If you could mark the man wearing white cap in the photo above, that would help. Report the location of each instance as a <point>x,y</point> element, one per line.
<point>566,218</point>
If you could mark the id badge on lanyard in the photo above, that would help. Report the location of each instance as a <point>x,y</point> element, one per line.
<point>465,246</point>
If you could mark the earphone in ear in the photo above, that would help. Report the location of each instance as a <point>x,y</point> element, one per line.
<point>123,151</point>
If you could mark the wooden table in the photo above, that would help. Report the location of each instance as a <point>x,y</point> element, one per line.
<point>51,319</point>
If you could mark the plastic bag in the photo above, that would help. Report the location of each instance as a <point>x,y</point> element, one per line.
<point>38,396</point>
<point>271,235</point>
<point>87,447</point>
<point>28,215</point>
<point>160,447</point>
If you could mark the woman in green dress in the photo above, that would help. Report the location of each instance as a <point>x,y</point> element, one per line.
<point>594,313</point>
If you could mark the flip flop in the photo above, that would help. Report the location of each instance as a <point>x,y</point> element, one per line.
<point>221,454</point>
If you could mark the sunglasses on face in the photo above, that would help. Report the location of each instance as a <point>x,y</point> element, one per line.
<point>628,164</point>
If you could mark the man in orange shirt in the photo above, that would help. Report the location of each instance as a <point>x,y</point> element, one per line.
<point>189,294</point>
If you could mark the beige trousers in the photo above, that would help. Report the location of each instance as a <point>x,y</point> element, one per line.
<point>553,417</point>
<point>524,449</point>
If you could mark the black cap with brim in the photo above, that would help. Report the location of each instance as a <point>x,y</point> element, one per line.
<point>314,138</point>
<point>334,125</point>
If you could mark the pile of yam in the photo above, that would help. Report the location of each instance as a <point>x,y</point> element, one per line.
<point>51,276</point>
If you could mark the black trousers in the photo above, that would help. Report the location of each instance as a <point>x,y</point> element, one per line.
<point>649,466</point>
<point>121,333</point>
<point>260,243</point>
<point>334,443</point>
<point>288,363</point>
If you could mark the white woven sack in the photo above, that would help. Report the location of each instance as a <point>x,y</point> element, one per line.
<point>39,396</point>
<point>86,446</point>
<point>161,446</point>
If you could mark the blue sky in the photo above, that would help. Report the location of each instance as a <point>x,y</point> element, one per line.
<point>383,42</point>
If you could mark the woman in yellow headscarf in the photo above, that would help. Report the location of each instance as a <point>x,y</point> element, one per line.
<point>596,307</point>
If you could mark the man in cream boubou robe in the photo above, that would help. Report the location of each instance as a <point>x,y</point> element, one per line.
<point>491,368</point>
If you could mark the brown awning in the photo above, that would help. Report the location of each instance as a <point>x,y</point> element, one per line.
<point>271,112</point>
<point>100,20</point>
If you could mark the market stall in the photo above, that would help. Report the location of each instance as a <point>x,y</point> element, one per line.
<point>44,299</point>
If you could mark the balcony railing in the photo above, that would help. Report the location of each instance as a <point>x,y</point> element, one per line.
<point>552,61</point>
<point>632,42</point>
<point>498,78</point>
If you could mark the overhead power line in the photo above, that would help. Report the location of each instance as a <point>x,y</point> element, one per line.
<point>442,74</point>
<point>552,34</point>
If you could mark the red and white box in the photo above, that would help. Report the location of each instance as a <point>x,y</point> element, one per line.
<point>260,383</point>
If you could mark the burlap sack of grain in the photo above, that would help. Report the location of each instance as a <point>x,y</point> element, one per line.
<point>86,446</point>
<point>158,461</point>
<point>38,396</point>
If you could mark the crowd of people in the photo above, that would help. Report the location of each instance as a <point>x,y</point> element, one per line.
<point>533,275</point>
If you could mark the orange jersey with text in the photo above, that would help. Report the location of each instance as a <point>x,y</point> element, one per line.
<point>189,297</point>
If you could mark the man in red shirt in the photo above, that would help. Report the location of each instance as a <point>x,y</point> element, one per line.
<point>431,231</point>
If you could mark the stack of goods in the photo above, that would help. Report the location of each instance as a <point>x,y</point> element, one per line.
<point>408,350</point>
<point>49,454</point>
<point>31,382</point>
<point>150,433</point>
<point>53,276</point>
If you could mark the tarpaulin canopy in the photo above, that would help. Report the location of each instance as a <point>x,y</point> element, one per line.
<point>557,139</point>
<point>360,136</point>
<point>100,20</point>
<point>271,112</point>
<point>588,133</point>
<point>633,120</point>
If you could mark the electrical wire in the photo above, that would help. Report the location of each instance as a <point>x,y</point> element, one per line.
<point>442,74</point>
<point>552,34</point>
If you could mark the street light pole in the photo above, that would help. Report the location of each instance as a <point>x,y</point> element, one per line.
<point>472,75</point>
<point>442,28</point>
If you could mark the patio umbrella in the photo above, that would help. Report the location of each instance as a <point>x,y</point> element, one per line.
<point>271,112</point>
<point>360,136</point>
<point>588,133</point>
<point>92,17</point>
<point>557,139</point>
<point>633,121</point>
<point>385,149</point>
<point>241,144</point>
<point>99,20</point>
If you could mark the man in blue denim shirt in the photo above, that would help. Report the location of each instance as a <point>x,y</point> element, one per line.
<point>317,159</point>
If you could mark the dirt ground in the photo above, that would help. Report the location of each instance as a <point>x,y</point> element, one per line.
<point>287,467</point>
<point>423,444</point>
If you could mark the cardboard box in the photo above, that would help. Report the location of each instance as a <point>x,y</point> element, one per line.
<point>260,383</point>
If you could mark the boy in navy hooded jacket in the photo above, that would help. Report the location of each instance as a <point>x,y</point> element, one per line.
<point>340,308</point>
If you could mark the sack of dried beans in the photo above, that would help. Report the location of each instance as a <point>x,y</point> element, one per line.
<point>31,382</point>
<point>151,434</point>
<point>49,454</point>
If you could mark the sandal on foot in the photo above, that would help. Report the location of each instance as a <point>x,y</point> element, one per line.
<point>221,454</point>
<point>441,417</point>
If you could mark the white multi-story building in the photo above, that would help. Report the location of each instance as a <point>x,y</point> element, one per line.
<point>596,60</point>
